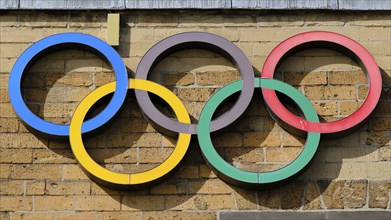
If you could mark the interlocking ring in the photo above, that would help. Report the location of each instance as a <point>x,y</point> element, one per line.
<point>107,177</point>
<point>327,40</point>
<point>206,125</point>
<point>55,42</point>
<point>195,40</point>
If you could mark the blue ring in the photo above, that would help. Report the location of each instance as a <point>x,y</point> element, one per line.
<point>61,40</point>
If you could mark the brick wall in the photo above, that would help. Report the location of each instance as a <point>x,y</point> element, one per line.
<point>40,178</point>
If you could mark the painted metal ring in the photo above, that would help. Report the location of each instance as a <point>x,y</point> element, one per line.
<point>195,40</point>
<point>329,40</point>
<point>122,180</point>
<point>61,41</point>
<point>240,177</point>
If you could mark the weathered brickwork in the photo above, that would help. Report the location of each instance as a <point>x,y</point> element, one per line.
<point>40,178</point>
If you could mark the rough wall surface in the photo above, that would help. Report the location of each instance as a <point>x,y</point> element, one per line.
<point>41,179</point>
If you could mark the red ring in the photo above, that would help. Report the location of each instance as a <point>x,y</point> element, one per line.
<point>338,40</point>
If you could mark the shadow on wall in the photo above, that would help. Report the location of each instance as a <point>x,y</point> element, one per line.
<point>186,184</point>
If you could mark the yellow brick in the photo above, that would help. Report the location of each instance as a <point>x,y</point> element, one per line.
<point>141,125</point>
<point>375,138</point>
<point>205,172</point>
<point>228,140</point>
<point>305,78</point>
<point>262,139</point>
<point>97,189</point>
<point>187,172</point>
<point>71,78</point>
<point>49,156</point>
<point>269,199</point>
<point>48,65</point>
<point>290,140</point>
<point>6,65</point>
<point>383,108</point>
<point>53,203</point>
<point>5,171</point>
<point>217,78</point>
<point>8,125</point>
<point>7,111</point>
<point>73,172</point>
<point>118,215</point>
<point>326,108</point>
<point>76,215</point>
<point>251,155</point>
<point>146,203</point>
<point>4,81</point>
<point>139,49</point>
<point>36,171</point>
<point>10,50</point>
<point>355,170</point>
<point>210,186</point>
<point>355,77</point>
<point>292,64</point>
<point>15,203</point>
<point>170,187</point>
<point>366,34</point>
<point>98,203</point>
<point>330,92</point>
<point>19,34</point>
<point>67,188</point>
<point>35,187</point>
<point>104,78</point>
<point>11,187</point>
<point>231,34</point>
<point>282,155</point>
<point>245,199</point>
<point>58,110</point>
<point>348,154</point>
<point>15,155</point>
<point>178,79</point>
<point>114,155</point>
<point>348,108</point>
<point>379,170</point>
<point>381,124</point>
<point>263,34</point>
<point>362,92</point>
<point>161,33</point>
<point>152,155</point>
<point>200,202</point>
<point>32,215</point>
<point>21,141</point>
<point>385,152</point>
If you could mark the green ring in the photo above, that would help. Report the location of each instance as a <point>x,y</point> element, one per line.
<point>246,177</point>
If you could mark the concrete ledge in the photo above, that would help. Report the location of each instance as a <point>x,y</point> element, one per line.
<point>195,4</point>
<point>285,4</point>
<point>324,215</point>
<point>9,4</point>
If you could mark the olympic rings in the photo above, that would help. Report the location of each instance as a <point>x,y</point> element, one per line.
<point>59,41</point>
<point>108,177</point>
<point>206,125</point>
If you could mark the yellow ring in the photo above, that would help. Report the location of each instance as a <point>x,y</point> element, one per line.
<point>113,178</point>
